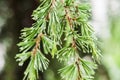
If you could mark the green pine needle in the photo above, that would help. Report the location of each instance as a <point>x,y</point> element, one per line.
<point>62,30</point>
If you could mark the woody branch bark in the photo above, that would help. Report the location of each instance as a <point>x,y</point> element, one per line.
<point>70,20</point>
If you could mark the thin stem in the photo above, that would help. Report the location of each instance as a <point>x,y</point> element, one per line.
<point>78,67</point>
<point>70,20</point>
<point>53,3</point>
<point>36,47</point>
<point>67,15</point>
<point>40,35</point>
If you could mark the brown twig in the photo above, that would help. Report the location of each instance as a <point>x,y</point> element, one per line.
<point>36,47</point>
<point>53,3</point>
<point>67,15</point>
<point>70,20</point>
<point>78,67</point>
<point>51,6</point>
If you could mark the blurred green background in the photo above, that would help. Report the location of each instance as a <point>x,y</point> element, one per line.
<point>16,14</point>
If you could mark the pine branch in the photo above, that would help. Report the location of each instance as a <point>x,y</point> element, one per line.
<point>62,28</point>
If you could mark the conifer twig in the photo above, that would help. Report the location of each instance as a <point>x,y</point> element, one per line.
<point>37,41</point>
<point>62,28</point>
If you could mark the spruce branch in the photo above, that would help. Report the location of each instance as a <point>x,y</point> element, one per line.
<point>63,29</point>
